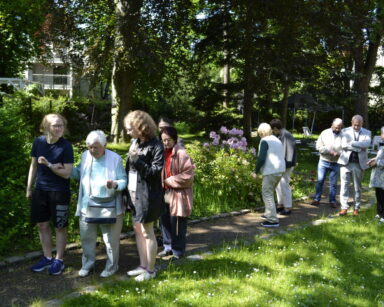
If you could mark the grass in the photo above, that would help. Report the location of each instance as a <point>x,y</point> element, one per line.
<point>334,264</point>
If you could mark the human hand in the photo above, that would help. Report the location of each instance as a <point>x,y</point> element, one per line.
<point>254,175</point>
<point>42,160</point>
<point>133,155</point>
<point>111,184</point>
<point>57,166</point>
<point>372,162</point>
<point>29,194</point>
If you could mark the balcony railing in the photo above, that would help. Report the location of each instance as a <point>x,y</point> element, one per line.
<point>54,82</point>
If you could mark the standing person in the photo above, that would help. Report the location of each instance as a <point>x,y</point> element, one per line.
<point>329,146</point>
<point>164,122</point>
<point>355,141</point>
<point>377,178</point>
<point>101,174</point>
<point>272,166</point>
<point>177,179</point>
<point>51,195</point>
<point>144,166</point>
<point>283,189</point>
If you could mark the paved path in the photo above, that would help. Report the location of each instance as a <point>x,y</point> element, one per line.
<point>19,286</point>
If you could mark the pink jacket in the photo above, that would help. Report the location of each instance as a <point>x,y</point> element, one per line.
<point>180,182</point>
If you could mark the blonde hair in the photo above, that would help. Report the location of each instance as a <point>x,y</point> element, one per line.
<point>264,130</point>
<point>143,122</point>
<point>46,122</point>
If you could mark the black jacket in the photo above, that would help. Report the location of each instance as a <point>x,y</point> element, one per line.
<point>149,203</point>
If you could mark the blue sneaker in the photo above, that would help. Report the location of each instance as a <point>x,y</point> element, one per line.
<point>42,264</point>
<point>57,267</point>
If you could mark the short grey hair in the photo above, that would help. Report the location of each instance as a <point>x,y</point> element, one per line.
<point>264,130</point>
<point>337,121</point>
<point>96,136</point>
<point>358,118</point>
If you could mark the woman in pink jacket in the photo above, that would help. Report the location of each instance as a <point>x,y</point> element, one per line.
<point>177,177</point>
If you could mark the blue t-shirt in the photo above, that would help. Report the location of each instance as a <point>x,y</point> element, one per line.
<point>59,152</point>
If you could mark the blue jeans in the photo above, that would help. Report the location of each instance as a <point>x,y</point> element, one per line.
<point>322,169</point>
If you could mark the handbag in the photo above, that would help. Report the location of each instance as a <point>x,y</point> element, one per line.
<point>100,210</point>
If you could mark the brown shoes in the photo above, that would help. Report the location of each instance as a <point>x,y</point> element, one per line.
<point>343,212</point>
<point>333,204</point>
<point>355,212</point>
<point>315,203</point>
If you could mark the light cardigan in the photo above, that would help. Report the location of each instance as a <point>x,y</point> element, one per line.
<point>114,170</point>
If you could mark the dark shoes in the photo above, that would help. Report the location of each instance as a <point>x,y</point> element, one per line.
<point>279,208</point>
<point>285,212</point>
<point>333,204</point>
<point>269,224</point>
<point>315,203</point>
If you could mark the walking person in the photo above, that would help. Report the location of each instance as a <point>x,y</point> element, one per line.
<point>283,189</point>
<point>377,178</point>
<point>146,197</point>
<point>48,190</point>
<point>355,141</point>
<point>102,175</point>
<point>177,177</point>
<point>329,146</point>
<point>271,164</point>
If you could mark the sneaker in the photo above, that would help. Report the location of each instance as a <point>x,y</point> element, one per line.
<point>164,253</point>
<point>377,216</point>
<point>145,276</point>
<point>42,264</point>
<point>356,212</point>
<point>139,270</point>
<point>381,221</point>
<point>83,272</point>
<point>285,212</point>
<point>343,212</point>
<point>107,273</point>
<point>333,204</point>
<point>269,224</point>
<point>280,208</point>
<point>263,217</point>
<point>57,267</point>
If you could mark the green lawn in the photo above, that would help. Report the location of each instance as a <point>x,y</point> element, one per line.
<point>339,263</point>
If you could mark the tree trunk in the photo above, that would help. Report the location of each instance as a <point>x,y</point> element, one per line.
<point>284,107</point>
<point>248,76</point>
<point>124,71</point>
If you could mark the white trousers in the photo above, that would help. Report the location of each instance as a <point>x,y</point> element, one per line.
<point>350,173</point>
<point>268,193</point>
<point>111,236</point>
<point>283,189</point>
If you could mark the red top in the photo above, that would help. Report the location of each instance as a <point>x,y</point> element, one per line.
<point>168,155</point>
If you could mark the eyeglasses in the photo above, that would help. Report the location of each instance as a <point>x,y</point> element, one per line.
<point>167,140</point>
<point>58,126</point>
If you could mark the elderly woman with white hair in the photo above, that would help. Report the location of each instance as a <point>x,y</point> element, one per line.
<point>271,164</point>
<point>102,176</point>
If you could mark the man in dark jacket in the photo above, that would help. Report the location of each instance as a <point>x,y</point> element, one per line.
<point>283,189</point>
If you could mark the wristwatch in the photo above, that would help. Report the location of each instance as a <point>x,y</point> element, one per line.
<point>49,165</point>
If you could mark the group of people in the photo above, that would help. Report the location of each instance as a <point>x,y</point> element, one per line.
<point>343,152</point>
<point>156,182</point>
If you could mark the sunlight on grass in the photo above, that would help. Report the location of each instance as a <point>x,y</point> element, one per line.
<point>339,263</point>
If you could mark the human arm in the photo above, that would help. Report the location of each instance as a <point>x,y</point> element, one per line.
<point>120,183</point>
<point>31,177</point>
<point>364,141</point>
<point>262,156</point>
<point>64,172</point>
<point>184,178</point>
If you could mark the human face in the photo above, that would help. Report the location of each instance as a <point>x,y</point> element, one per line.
<point>336,127</point>
<point>56,127</point>
<point>167,141</point>
<point>163,124</point>
<point>357,124</point>
<point>132,131</point>
<point>96,150</point>
<point>275,131</point>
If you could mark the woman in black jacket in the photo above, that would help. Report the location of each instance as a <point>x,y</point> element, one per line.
<point>146,199</point>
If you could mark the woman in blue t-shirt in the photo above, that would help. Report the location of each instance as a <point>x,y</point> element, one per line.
<point>48,189</point>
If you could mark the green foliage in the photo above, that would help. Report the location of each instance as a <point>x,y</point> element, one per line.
<point>223,180</point>
<point>183,127</point>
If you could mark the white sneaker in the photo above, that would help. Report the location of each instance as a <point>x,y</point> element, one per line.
<point>138,271</point>
<point>107,273</point>
<point>145,276</point>
<point>381,221</point>
<point>83,272</point>
<point>377,216</point>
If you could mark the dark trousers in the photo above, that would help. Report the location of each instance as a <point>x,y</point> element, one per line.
<point>380,201</point>
<point>174,231</point>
